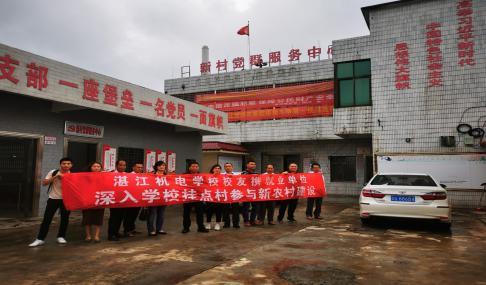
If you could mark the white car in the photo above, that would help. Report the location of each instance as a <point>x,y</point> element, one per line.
<point>404,195</point>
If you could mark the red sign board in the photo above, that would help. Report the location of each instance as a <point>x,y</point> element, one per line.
<point>83,130</point>
<point>300,101</point>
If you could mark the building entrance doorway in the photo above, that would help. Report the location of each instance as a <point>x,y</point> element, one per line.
<point>17,176</point>
<point>82,154</point>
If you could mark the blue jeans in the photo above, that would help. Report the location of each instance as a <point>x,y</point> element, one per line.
<point>156,214</point>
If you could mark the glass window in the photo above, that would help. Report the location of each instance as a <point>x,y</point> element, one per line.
<point>353,84</point>
<point>346,90</point>
<point>345,70</point>
<point>403,180</point>
<point>362,90</point>
<point>362,68</point>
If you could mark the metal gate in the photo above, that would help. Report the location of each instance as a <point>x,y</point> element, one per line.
<point>17,176</point>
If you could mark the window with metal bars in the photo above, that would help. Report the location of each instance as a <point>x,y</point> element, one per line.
<point>131,156</point>
<point>343,168</point>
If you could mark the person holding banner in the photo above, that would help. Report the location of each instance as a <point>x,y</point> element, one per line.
<point>267,207</point>
<point>131,214</point>
<point>116,214</point>
<point>156,214</point>
<point>249,216</point>
<point>315,168</point>
<point>193,168</point>
<point>93,217</point>
<point>290,203</point>
<point>214,208</point>
<point>54,202</point>
<point>231,208</point>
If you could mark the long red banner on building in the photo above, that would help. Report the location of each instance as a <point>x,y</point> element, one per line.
<point>119,190</point>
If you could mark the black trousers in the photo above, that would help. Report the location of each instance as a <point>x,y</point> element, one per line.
<point>268,208</point>
<point>131,215</point>
<point>186,222</point>
<point>250,214</point>
<point>51,209</point>
<point>310,207</point>
<point>117,215</point>
<point>245,212</point>
<point>214,209</point>
<point>231,212</point>
<point>292,205</point>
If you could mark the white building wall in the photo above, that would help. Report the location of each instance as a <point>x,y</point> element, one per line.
<point>289,73</point>
<point>422,113</point>
<point>278,130</point>
<point>352,120</point>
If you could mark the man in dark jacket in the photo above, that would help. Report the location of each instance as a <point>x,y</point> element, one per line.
<point>186,222</point>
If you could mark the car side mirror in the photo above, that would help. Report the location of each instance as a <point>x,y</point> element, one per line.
<point>443,186</point>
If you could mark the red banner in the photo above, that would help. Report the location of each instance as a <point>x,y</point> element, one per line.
<point>119,190</point>
<point>257,104</point>
<point>288,102</point>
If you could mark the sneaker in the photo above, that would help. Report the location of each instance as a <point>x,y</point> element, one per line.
<point>61,240</point>
<point>207,226</point>
<point>37,242</point>
<point>162,232</point>
<point>309,218</point>
<point>217,227</point>
<point>318,218</point>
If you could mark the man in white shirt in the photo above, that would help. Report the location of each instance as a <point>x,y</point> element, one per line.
<point>315,168</point>
<point>117,215</point>
<point>231,208</point>
<point>54,202</point>
<point>267,207</point>
<point>290,203</point>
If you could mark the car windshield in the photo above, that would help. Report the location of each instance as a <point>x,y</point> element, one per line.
<point>403,180</point>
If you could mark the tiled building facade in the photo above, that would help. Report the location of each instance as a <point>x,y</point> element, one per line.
<point>401,90</point>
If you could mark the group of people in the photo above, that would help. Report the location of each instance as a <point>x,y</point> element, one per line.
<point>226,215</point>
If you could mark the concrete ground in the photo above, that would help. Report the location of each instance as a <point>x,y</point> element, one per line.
<point>336,250</point>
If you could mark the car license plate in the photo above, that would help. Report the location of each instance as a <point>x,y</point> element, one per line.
<point>397,198</point>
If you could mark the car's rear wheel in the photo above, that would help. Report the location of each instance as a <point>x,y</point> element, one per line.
<point>366,221</point>
<point>445,226</point>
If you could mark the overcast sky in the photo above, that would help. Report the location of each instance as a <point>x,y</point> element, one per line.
<point>147,41</point>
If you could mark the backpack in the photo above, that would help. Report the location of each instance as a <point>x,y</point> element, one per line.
<point>50,185</point>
